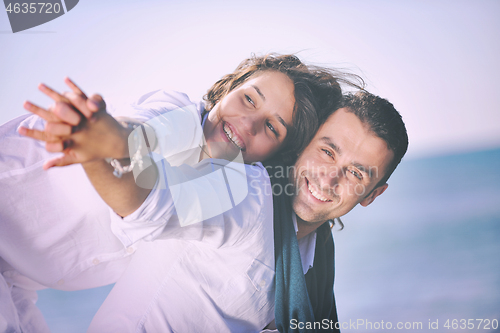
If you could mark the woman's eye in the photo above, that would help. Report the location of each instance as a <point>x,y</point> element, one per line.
<point>249,100</point>
<point>271,127</point>
<point>356,174</point>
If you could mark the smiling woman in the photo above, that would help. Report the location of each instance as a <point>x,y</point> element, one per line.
<point>255,117</point>
<point>270,104</point>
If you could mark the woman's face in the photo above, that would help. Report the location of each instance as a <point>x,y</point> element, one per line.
<point>253,118</point>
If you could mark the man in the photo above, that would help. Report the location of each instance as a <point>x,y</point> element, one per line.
<point>348,162</point>
<point>332,175</point>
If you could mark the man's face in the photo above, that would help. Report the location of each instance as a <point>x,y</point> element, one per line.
<point>339,169</point>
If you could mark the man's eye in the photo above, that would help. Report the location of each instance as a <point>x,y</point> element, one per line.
<point>329,153</point>
<point>271,127</point>
<point>356,174</point>
<point>249,100</point>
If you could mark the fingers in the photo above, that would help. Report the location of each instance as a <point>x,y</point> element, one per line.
<point>55,147</point>
<point>59,112</point>
<point>52,93</point>
<point>58,129</point>
<point>59,161</point>
<point>36,134</point>
<point>64,112</point>
<point>42,113</point>
<point>85,105</point>
<point>79,103</point>
<point>77,98</point>
<point>54,133</point>
<point>74,87</point>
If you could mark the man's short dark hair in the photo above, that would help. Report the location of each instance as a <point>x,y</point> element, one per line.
<point>383,120</point>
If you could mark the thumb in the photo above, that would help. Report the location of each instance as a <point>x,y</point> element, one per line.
<point>59,162</point>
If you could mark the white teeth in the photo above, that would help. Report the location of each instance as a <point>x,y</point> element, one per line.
<point>316,194</point>
<point>233,138</point>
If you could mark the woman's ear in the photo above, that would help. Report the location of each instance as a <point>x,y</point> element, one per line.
<point>375,193</point>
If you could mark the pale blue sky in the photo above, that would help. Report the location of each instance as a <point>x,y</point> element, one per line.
<point>437,61</point>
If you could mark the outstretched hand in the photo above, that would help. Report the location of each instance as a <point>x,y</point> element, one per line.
<point>77,126</point>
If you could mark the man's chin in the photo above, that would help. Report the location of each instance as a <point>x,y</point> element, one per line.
<point>307,215</point>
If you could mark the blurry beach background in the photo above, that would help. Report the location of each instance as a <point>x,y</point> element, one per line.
<point>428,249</point>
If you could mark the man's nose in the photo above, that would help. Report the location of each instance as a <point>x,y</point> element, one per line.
<point>330,177</point>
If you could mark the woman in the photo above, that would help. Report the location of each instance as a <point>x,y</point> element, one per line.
<point>98,258</point>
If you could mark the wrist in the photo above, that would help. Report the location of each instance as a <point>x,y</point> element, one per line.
<point>124,149</point>
<point>134,146</point>
<point>135,135</point>
<point>93,164</point>
<point>124,146</point>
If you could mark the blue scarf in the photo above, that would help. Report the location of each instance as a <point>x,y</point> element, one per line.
<point>301,301</point>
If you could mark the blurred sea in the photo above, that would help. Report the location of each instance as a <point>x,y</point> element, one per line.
<point>427,250</point>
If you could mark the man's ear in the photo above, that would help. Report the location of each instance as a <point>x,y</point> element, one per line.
<point>375,193</point>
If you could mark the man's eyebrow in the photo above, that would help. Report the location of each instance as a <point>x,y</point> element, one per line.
<point>259,92</point>
<point>329,142</point>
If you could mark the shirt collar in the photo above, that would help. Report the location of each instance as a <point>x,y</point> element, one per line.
<point>307,246</point>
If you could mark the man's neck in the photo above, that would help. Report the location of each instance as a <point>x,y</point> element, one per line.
<point>305,228</point>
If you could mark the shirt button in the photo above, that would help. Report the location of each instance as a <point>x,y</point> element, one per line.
<point>262,283</point>
<point>95,261</point>
<point>130,249</point>
<point>60,282</point>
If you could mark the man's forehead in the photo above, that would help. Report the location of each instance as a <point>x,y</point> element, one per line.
<point>340,115</point>
<point>340,125</point>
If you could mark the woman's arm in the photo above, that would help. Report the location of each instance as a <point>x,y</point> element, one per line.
<point>123,194</point>
<point>97,137</point>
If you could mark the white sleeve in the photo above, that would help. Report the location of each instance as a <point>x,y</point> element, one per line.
<point>175,119</point>
<point>18,312</point>
<point>153,104</point>
<point>191,202</point>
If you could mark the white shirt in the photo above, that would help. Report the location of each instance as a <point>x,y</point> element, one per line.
<point>56,233</point>
<point>213,271</point>
<point>55,228</point>
<point>214,276</point>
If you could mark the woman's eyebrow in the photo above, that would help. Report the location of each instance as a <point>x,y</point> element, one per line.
<point>282,121</point>
<point>259,92</point>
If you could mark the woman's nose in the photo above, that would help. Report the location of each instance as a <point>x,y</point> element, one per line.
<point>250,124</point>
